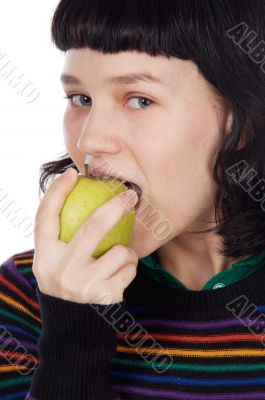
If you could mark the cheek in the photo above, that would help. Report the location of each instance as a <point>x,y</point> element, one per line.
<point>70,125</point>
<point>71,132</point>
<point>182,176</point>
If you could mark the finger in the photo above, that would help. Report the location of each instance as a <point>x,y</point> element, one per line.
<point>47,224</point>
<point>113,288</point>
<point>123,277</point>
<point>113,260</point>
<point>101,221</point>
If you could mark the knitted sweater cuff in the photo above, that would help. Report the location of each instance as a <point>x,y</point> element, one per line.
<point>93,323</point>
<point>76,345</point>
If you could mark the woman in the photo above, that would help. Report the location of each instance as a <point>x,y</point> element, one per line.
<point>170,94</point>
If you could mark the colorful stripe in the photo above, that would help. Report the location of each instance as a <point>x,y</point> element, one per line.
<point>20,327</point>
<point>193,339</point>
<point>201,324</point>
<point>191,367</point>
<point>168,394</point>
<point>195,353</point>
<point>186,381</point>
<point>16,396</point>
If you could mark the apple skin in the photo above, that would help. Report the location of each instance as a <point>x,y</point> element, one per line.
<point>86,196</point>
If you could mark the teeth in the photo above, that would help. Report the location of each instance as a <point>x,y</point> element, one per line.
<point>102,177</point>
<point>129,184</point>
<point>109,177</point>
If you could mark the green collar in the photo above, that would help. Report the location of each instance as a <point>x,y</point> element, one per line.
<point>234,273</point>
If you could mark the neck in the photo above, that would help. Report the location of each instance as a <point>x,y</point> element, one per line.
<point>193,259</point>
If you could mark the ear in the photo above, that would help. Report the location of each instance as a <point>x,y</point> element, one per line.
<point>242,143</point>
<point>247,131</point>
<point>229,122</point>
<point>246,135</point>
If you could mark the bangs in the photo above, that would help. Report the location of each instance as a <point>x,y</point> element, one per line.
<point>156,27</point>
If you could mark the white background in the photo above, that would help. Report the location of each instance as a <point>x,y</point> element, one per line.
<point>31,132</point>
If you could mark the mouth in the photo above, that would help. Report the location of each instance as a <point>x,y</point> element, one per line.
<point>128,184</point>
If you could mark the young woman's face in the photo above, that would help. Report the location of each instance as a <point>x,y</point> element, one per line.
<point>158,135</point>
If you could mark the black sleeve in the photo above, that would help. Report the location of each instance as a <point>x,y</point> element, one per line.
<point>76,345</point>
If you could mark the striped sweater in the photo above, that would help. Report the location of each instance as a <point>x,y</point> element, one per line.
<point>161,342</point>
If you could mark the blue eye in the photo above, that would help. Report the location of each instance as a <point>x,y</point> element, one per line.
<point>71,97</point>
<point>143,99</point>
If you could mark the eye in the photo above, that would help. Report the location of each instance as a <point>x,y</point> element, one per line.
<point>84,100</point>
<point>142,101</point>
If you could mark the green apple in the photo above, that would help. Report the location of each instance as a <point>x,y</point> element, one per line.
<point>86,196</point>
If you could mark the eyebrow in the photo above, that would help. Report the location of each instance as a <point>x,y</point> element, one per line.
<point>116,80</point>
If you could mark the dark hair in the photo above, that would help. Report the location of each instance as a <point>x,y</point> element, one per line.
<point>203,32</point>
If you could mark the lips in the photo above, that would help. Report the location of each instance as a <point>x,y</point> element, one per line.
<point>137,189</point>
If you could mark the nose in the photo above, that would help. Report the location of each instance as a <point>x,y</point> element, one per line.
<point>98,135</point>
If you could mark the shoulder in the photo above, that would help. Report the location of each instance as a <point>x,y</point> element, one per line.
<point>18,296</point>
<point>17,269</point>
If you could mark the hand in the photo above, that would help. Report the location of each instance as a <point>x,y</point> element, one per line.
<point>68,270</point>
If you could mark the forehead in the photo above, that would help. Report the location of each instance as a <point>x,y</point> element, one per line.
<point>83,63</point>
